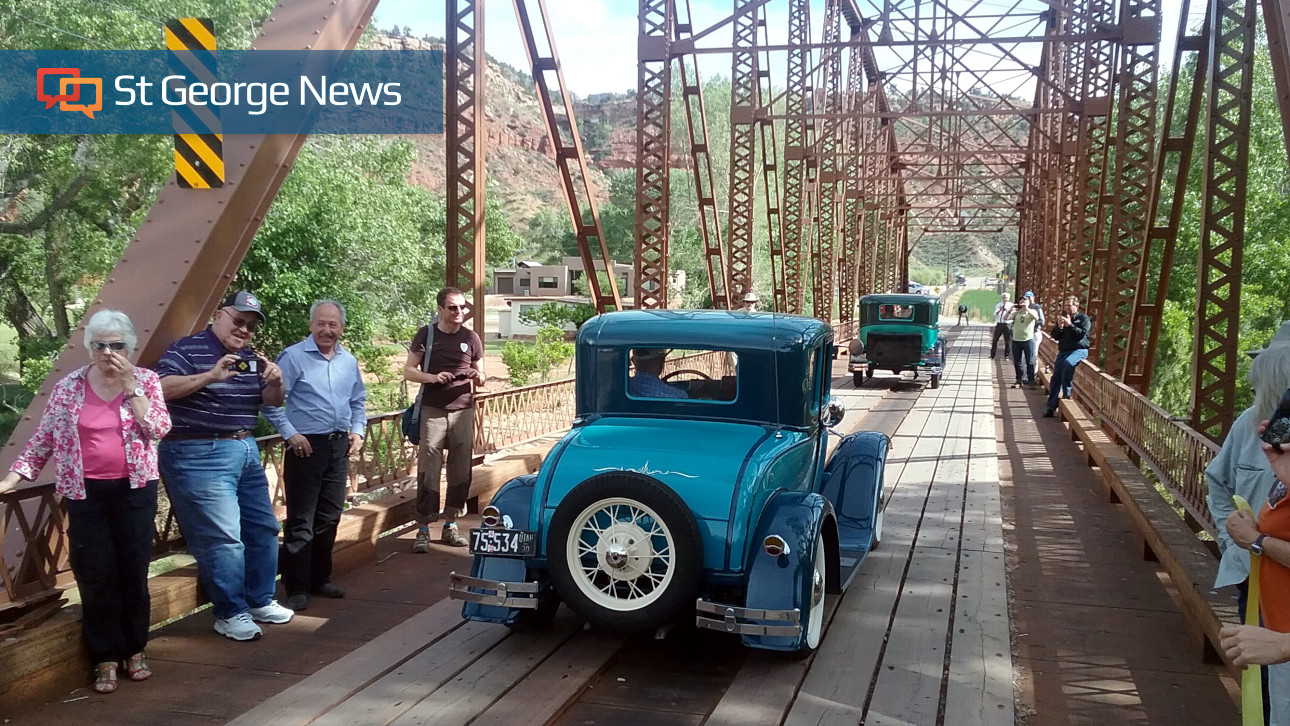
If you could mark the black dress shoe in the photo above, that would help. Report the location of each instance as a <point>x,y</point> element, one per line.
<point>1048,413</point>
<point>329,590</point>
<point>298,602</point>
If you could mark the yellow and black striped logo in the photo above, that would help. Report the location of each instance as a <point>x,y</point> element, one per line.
<point>199,141</point>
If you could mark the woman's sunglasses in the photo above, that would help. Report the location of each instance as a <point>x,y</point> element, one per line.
<point>115,346</point>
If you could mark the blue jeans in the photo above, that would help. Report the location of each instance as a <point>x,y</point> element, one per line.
<point>221,499</point>
<point>1064,375</point>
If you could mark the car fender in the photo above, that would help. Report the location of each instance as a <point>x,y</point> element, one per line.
<point>782,583</point>
<point>513,501</point>
<point>853,485</point>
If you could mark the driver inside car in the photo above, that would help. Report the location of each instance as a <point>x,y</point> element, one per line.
<point>646,383</point>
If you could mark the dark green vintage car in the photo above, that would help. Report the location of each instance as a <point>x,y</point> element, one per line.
<point>898,333</point>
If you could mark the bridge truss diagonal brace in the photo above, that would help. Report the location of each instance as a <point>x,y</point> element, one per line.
<point>198,237</point>
<point>570,158</point>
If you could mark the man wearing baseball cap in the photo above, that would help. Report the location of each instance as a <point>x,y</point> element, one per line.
<point>214,385</point>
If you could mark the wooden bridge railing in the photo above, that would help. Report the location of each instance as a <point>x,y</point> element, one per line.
<point>1174,452</point>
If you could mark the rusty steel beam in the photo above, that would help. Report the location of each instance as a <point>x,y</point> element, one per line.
<point>181,261</point>
<point>570,158</point>
<point>849,255</point>
<point>696,126</point>
<point>743,144</point>
<point>653,152</point>
<point>796,152</point>
<point>1135,138</point>
<point>1168,192</point>
<point>465,134</point>
<point>827,200</point>
<point>1222,231</point>
<point>1092,254</point>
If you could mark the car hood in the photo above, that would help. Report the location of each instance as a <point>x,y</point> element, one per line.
<point>702,461</point>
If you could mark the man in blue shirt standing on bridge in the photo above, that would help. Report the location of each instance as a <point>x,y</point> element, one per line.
<point>214,385</point>
<point>323,425</point>
<point>1071,334</point>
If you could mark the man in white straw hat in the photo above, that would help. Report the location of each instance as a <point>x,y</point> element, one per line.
<point>1281,338</point>
<point>750,302</point>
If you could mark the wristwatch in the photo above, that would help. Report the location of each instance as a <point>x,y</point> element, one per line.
<point>1257,545</point>
<point>137,392</point>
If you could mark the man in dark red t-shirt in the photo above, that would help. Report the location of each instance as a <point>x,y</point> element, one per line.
<point>447,415</point>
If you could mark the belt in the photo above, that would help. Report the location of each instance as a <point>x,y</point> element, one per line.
<point>330,436</point>
<point>242,434</point>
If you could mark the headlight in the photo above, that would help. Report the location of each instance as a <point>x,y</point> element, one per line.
<point>491,515</point>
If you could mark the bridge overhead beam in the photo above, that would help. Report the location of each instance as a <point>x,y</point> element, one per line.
<point>1222,232</point>
<point>465,136</point>
<point>653,152</point>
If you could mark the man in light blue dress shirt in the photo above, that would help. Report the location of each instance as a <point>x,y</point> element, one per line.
<point>323,422</point>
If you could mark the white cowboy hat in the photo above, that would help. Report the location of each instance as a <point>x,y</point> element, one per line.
<point>1281,338</point>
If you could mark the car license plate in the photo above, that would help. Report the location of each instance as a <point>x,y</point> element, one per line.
<point>502,542</point>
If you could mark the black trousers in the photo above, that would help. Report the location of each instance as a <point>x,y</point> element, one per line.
<point>314,487</point>
<point>1025,371</point>
<point>1005,330</point>
<point>110,536</point>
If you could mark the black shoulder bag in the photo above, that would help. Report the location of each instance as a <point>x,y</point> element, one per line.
<point>412,416</point>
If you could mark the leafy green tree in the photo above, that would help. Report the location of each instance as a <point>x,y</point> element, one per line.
<point>523,361</point>
<point>558,315</point>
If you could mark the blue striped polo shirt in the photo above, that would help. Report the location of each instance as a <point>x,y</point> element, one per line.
<point>222,407</point>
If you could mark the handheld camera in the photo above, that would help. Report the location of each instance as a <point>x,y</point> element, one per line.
<point>1278,430</point>
<point>247,365</point>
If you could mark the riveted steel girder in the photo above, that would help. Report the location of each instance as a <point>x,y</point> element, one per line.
<point>465,134</point>
<point>653,151</point>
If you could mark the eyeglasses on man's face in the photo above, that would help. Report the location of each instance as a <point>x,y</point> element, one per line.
<point>457,308</point>
<point>115,346</point>
<point>249,325</point>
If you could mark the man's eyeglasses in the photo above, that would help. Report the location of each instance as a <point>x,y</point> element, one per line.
<point>249,326</point>
<point>457,308</point>
<point>115,346</point>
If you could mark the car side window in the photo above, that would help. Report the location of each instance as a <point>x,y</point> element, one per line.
<point>817,380</point>
<point>682,374</point>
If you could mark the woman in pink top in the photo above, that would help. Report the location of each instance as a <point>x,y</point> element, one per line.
<point>101,428</point>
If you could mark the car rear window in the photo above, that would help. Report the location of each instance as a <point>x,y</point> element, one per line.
<point>682,374</point>
<point>895,312</point>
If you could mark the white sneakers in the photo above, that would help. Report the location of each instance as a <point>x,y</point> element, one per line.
<point>238,627</point>
<point>242,626</point>
<point>272,613</point>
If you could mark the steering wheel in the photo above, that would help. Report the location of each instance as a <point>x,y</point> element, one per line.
<point>667,378</point>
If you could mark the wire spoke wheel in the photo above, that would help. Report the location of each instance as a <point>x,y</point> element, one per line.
<point>621,554</point>
<point>625,552</point>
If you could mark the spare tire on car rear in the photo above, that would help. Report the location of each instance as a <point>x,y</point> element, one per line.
<point>625,552</point>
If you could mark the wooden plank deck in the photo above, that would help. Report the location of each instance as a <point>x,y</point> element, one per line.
<point>921,637</point>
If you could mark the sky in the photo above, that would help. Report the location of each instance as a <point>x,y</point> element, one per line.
<point>596,39</point>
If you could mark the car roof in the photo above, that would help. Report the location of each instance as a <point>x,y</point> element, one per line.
<point>897,299</point>
<point>701,329</point>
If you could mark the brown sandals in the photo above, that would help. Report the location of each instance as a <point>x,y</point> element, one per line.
<point>105,677</point>
<point>136,666</point>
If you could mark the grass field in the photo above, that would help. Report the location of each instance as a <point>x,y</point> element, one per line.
<point>980,304</point>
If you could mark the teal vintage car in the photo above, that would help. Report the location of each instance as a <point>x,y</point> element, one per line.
<point>693,482</point>
<point>898,333</point>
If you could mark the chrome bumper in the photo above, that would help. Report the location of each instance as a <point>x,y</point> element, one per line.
<point>731,619</point>
<point>519,595</point>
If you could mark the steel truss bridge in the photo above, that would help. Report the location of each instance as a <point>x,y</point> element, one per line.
<point>866,127</point>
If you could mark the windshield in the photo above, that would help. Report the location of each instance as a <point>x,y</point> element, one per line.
<point>680,373</point>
